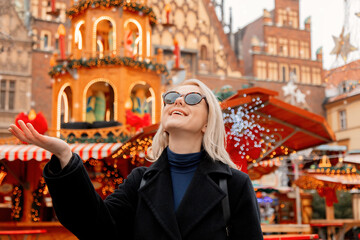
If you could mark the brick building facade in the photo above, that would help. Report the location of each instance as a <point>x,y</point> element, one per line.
<point>44,32</point>
<point>343,103</point>
<point>15,66</point>
<point>274,50</point>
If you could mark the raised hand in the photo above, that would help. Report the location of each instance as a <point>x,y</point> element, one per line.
<point>28,134</point>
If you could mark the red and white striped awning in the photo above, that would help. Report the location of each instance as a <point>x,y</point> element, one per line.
<point>85,151</point>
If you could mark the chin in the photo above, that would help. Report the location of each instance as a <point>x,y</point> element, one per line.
<point>174,126</point>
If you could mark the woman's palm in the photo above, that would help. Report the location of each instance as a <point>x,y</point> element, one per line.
<point>28,134</point>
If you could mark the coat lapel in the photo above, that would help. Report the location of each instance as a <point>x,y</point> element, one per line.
<point>202,195</point>
<point>158,195</point>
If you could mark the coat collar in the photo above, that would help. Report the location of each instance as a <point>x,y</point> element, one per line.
<point>202,195</point>
<point>207,165</point>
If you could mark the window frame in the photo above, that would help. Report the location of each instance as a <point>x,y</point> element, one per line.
<point>342,119</point>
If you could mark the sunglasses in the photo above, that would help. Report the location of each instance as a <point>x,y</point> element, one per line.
<point>191,98</point>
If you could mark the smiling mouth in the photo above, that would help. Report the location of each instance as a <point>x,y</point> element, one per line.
<point>177,113</point>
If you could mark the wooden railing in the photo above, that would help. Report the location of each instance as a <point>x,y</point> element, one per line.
<point>117,131</point>
<point>123,132</point>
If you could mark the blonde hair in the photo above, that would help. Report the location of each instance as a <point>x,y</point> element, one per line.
<point>214,137</point>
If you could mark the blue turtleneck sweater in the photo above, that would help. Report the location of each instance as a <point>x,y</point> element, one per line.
<point>182,169</point>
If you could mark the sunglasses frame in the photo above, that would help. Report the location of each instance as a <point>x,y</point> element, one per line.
<point>184,95</point>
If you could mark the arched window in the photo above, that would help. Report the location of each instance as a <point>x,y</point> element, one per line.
<point>133,39</point>
<point>203,53</point>
<point>100,102</point>
<point>80,34</point>
<point>45,43</point>
<point>105,42</point>
<point>35,39</point>
<point>140,105</point>
<point>66,105</point>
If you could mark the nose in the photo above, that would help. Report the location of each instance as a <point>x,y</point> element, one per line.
<point>179,101</point>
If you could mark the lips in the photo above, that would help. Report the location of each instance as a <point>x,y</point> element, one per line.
<point>178,112</point>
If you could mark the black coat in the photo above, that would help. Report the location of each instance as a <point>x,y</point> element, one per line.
<point>148,212</point>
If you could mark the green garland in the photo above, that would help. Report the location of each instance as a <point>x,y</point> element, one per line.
<point>108,61</point>
<point>83,5</point>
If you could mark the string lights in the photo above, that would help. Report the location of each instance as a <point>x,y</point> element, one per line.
<point>135,151</point>
<point>3,173</point>
<point>38,196</point>
<point>251,134</point>
<point>17,202</point>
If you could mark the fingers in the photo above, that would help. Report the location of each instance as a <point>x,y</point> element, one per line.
<point>17,133</point>
<point>35,133</point>
<point>33,130</point>
<point>25,129</point>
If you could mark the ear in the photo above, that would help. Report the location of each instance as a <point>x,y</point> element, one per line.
<point>204,128</point>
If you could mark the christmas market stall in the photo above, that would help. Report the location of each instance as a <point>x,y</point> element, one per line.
<point>24,200</point>
<point>327,177</point>
<point>263,133</point>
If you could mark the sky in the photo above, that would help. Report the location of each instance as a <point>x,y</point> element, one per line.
<point>327,19</point>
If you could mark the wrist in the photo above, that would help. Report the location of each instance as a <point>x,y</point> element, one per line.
<point>64,158</point>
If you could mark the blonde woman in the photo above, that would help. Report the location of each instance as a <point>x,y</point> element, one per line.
<point>177,197</point>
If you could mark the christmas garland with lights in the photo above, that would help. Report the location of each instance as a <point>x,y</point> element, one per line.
<point>107,61</point>
<point>38,195</point>
<point>17,202</point>
<point>109,178</point>
<point>135,151</point>
<point>346,169</point>
<point>83,5</point>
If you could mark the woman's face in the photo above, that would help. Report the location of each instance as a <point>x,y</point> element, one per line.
<point>180,116</point>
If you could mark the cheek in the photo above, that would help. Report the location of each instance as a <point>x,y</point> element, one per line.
<point>204,112</point>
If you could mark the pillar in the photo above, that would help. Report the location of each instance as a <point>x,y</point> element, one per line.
<point>356,206</point>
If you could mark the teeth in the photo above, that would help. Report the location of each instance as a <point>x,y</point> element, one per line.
<point>177,112</point>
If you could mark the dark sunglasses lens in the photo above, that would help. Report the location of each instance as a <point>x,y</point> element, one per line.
<point>170,97</point>
<point>193,98</point>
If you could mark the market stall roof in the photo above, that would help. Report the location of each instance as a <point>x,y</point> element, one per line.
<point>301,129</point>
<point>85,150</point>
<point>352,158</point>
<point>330,148</point>
<point>339,182</point>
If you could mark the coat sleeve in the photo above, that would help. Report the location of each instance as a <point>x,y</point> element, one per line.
<point>82,211</point>
<point>245,214</point>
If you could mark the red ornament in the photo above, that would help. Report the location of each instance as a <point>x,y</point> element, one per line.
<point>136,121</point>
<point>329,194</point>
<point>37,120</point>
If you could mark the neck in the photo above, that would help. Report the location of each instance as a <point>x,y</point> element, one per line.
<point>185,143</point>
